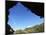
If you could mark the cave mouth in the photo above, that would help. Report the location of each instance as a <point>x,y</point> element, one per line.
<point>25,4</point>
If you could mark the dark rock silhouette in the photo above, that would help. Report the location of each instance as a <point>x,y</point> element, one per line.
<point>36,7</point>
<point>8,27</point>
<point>9,30</point>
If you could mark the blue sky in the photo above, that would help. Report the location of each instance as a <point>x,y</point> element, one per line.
<point>21,17</point>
